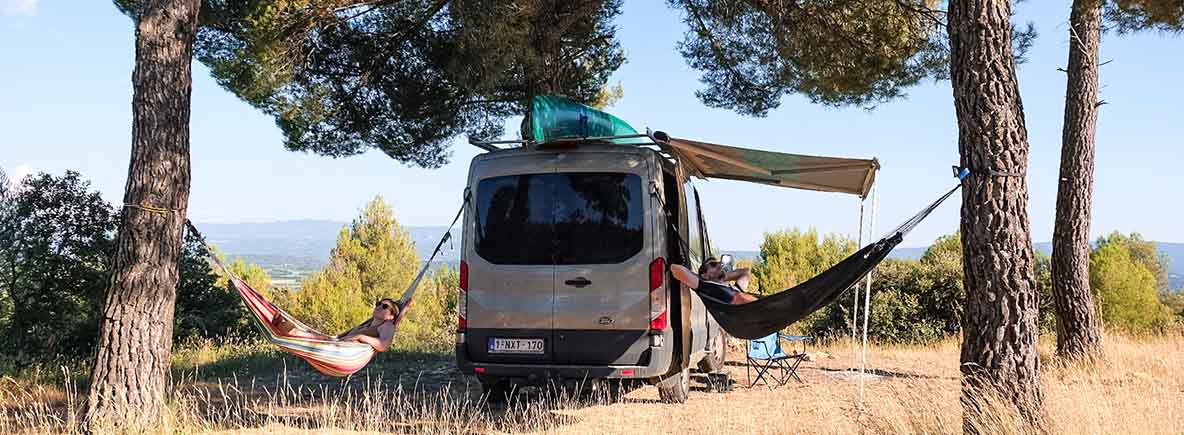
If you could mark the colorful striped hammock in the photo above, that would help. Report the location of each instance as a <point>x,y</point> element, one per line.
<point>325,353</point>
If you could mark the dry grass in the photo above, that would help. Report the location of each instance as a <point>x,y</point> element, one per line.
<point>1137,389</point>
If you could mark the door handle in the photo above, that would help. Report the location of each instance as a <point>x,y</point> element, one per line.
<point>579,282</point>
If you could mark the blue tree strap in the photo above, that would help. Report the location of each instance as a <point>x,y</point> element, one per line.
<point>961,172</point>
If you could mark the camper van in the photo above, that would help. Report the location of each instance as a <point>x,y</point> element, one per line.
<point>564,270</point>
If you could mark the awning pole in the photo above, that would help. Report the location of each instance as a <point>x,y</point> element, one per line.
<point>867,302</point>
<point>855,298</point>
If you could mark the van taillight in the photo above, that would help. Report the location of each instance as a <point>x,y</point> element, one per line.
<point>462,300</point>
<point>658,318</point>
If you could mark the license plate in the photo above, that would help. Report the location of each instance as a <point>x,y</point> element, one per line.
<point>516,345</point>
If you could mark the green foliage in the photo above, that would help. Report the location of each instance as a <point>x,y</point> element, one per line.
<point>1174,300</point>
<point>1142,252</point>
<point>374,258</point>
<point>7,235</point>
<point>837,53</point>
<point>787,258</point>
<point>1125,289</point>
<point>57,237</point>
<point>1047,315</point>
<point>860,52</point>
<point>912,300</point>
<point>1130,16</point>
<point>431,323</point>
<point>341,77</point>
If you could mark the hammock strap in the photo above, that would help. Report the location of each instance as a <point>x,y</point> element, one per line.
<point>410,292</point>
<point>209,250</point>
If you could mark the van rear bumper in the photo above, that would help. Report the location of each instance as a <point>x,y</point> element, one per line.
<point>661,351</point>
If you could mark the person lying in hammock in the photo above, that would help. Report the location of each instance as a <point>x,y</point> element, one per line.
<point>378,331</point>
<point>712,281</point>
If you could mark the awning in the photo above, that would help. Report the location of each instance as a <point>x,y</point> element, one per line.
<point>824,174</point>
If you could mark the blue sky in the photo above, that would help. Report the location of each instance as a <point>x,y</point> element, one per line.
<point>65,103</point>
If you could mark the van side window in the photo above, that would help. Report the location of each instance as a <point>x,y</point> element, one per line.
<point>694,233</point>
<point>560,218</point>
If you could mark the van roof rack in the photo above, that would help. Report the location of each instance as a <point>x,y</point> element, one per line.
<point>657,138</point>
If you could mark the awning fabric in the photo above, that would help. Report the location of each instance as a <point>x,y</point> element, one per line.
<point>797,171</point>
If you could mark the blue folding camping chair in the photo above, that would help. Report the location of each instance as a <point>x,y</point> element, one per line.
<point>766,353</point>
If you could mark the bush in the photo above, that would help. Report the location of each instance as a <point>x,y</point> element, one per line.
<point>787,258</point>
<point>55,241</point>
<point>431,323</point>
<point>1126,293</point>
<point>917,300</point>
<point>374,258</point>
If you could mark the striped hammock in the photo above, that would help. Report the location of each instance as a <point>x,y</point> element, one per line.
<point>325,353</point>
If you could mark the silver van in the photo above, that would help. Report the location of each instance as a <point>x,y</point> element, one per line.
<point>564,270</point>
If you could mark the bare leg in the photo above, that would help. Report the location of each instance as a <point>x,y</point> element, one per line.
<point>742,298</point>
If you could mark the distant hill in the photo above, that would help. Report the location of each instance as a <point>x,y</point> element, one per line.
<point>1174,252</point>
<point>290,250</point>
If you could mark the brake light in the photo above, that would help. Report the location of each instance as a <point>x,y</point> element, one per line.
<point>462,300</point>
<point>658,309</point>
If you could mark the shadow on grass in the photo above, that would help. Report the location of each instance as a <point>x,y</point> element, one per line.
<point>887,373</point>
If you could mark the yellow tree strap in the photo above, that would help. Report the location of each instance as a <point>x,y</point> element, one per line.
<point>149,208</point>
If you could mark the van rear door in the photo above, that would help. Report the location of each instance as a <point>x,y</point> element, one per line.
<point>603,253</point>
<point>511,262</point>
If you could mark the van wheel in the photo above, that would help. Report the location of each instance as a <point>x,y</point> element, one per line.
<point>496,390</point>
<point>714,362</point>
<point>675,389</point>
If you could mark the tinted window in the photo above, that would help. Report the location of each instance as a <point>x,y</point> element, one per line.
<point>566,218</point>
<point>514,219</point>
<point>598,217</point>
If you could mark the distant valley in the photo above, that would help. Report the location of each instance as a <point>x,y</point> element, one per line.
<point>292,250</point>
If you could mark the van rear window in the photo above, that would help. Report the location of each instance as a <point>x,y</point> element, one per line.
<point>560,218</point>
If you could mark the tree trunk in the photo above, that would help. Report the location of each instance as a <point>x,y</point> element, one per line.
<point>131,366</point>
<point>1077,321</point>
<point>999,359</point>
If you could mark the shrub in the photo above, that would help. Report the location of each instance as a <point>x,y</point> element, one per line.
<point>1125,289</point>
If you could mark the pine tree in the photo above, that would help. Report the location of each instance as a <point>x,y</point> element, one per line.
<point>374,258</point>
<point>131,365</point>
<point>999,358</point>
<point>404,77</point>
<point>1078,334</point>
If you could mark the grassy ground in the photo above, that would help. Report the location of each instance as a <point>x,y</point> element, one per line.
<point>1139,388</point>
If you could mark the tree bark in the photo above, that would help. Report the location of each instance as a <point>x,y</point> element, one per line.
<point>1077,322</point>
<point>131,366</point>
<point>999,359</point>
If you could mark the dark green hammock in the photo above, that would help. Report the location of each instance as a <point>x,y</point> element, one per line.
<point>773,313</point>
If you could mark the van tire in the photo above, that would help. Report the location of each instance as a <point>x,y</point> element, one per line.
<point>496,391</point>
<point>675,389</point>
<point>714,362</point>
